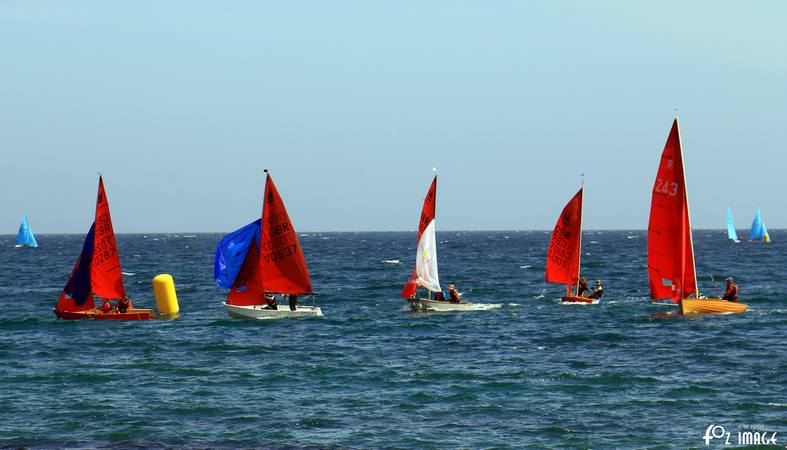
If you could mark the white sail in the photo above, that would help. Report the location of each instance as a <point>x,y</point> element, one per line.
<point>426,260</point>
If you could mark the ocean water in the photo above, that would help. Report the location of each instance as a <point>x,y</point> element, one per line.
<point>370,374</point>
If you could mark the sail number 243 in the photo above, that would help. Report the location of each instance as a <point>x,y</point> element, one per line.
<point>666,187</point>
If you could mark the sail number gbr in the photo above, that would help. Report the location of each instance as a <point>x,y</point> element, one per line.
<point>666,187</point>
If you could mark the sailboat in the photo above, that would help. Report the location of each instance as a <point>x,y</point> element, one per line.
<point>25,236</point>
<point>565,250</point>
<point>425,273</point>
<point>731,233</point>
<point>264,257</point>
<point>758,232</point>
<point>97,273</point>
<point>671,271</point>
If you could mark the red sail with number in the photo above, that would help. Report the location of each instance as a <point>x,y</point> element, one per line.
<point>563,255</point>
<point>282,266</point>
<point>671,270</point>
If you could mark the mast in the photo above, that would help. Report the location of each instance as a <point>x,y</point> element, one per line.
<point>688,219</point>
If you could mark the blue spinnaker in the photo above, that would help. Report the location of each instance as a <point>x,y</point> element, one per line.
<point>25,236</point>
<point>731,233</point>
<point>231,252</point>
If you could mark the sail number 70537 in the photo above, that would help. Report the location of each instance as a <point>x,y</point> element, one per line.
<point>666,187</point>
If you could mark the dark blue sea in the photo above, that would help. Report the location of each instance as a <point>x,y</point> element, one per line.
<point>533,374</point>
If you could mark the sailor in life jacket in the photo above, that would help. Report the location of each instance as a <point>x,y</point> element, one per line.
<point>124,304</point>
<point>598,290</point>
<point>731,294</point>
<point>270,301</point>
<point>106,306</point>
<point>453,294</point>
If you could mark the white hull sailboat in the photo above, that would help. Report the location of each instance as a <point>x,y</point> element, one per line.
<point>262,312</point>
<point>261,259</point>
<point>425,273</point>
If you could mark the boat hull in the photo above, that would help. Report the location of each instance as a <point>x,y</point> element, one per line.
<point>711,306</point>
<point>260,313</point>
<point>580,300</point>
<point>95,314</point>
<point>423,304</point>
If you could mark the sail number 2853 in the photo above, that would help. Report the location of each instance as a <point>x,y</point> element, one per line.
<point>666,187</point>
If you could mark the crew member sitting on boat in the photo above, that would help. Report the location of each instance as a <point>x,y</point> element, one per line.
<point>106,306</point>
<point>270,301</point>
<point>124,304</point>
<point>439,296</point>
<point>293,302</point>
<point>453,294</point>
<point>598,290</point>
<point>582,288</point>
<point>731,294</point>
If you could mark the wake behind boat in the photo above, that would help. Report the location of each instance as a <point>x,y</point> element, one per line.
<point>261,259</point>
<point>671,271</point>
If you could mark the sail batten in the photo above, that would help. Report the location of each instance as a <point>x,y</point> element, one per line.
<point>671,271</point>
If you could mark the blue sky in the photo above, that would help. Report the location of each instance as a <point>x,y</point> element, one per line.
<point>182,104</point>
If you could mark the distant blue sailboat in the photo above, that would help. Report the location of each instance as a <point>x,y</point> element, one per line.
<point>731,233</point>
<point>25,236</point>
<point>758,231</point>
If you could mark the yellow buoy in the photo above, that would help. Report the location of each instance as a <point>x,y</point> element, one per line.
<point>166,298</point>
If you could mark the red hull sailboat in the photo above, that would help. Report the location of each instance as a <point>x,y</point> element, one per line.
<point>264,257</point>
<point>671,270</point>
<point>97,273</point>
<point>565,251</point>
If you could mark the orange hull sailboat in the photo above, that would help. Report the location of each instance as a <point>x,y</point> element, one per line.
<point>97,272</point>
<point>671,270</point>
<point>565,250</point>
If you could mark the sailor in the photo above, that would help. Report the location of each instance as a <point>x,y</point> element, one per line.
<point>124,304</point>
<point>731,294</point>
<point>598,290</point>
<point>453,294</point>
<point>582,288</point>
<point>270,301</point>
<point>106,306</point>
<point>439,296</point>
<point>293,302</point>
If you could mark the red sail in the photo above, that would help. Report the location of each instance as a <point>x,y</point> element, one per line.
<point>670,250</point>
<point>564,248</point>
<point>247,289</point>
<point>282,267</point>
<point>105,276</point>
<point>427,216</point>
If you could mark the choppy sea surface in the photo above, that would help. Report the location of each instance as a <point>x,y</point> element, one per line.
<point>370,374</point>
